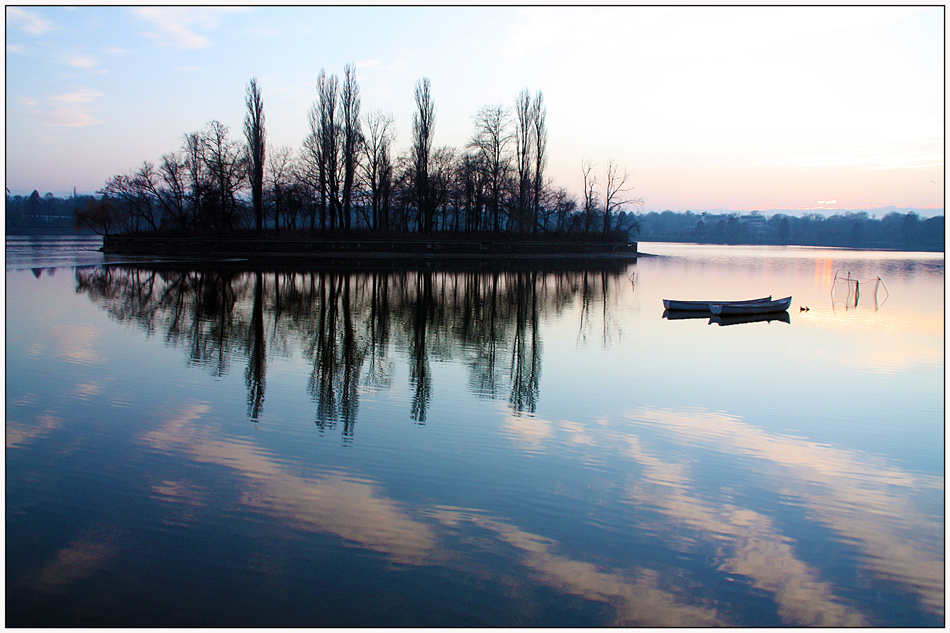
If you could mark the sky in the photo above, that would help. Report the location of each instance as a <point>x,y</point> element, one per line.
<point>741,107</point>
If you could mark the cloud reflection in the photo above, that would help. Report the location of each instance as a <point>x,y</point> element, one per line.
<point>750,544</point>
<point>863,501</point>
<point>88,554</point>
<point>75,343</point>
<point>637,597</point>
<point>868,503</point>
<point>340,504</point>
<point>20,434</point>
<point>355,509</point>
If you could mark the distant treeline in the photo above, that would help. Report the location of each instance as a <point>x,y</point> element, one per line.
<point>902,231</point>
<point>45,214</point>
<point>346,176</point>
<point>895,230</point>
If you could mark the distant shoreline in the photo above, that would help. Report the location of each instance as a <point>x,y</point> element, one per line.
<point>649,240</point>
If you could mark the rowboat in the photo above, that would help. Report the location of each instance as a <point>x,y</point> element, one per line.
<point>758,307</point>
<point>706,306</point>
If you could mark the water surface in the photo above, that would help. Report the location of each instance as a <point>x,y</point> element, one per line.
<point>218,446</point>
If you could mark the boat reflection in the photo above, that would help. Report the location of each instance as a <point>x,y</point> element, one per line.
<point>734,319</point>
<point>727,319</point>
<point>353,326</point>
<point>680,315</point>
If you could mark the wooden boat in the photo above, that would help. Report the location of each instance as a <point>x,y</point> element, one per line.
<point>706,306</point>
<point>759,307</point>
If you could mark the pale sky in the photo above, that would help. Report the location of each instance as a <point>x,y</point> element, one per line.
<point>707,107</point>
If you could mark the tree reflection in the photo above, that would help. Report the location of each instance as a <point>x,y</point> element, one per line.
<point>526,352</point>
<point>256,352</point>
<point>352,326</point>
<point>420,378</point>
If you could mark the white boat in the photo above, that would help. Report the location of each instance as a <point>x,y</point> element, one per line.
<point>758,307</point>
<point>706,306</point>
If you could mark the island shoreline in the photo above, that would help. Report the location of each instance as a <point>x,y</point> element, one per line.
<point>370,249</point>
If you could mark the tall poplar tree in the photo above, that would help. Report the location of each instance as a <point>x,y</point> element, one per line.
<point>539,117</point>
<point>524,150</point>
<point>255,135</point>
<point>352,137</point>
<point>422,124</point>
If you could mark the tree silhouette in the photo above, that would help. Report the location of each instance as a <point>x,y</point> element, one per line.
<point>423,124</point>
<point>352,138</point>
<point>255,135</point>
<point>491,140</point>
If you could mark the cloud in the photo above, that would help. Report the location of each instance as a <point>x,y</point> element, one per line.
<point>87,63</point>
<point>178,27</point>
<point>174,26</point>
<point>28,21</point>
<point>73,109</point>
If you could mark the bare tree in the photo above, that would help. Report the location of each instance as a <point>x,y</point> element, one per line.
<point>423,123</point>
<point>328,90</point>
<point>590,192</point>
<point>471,181</point>
<point>403,205</point>
<point>160,194</point>
<point>564,208</point>
<point>377,165</point>
<point>133,195</point>
<point>173,172</point>
<point>225,163</point>
<point>279,178</point>
<point>491,140</point>
<point>194,164</point>
<point>440,183</point>
<point>99,215</point>
<point>310,172</point>
<point>143,189</point>
<point>322,150</point>
<point>255,134</point>
<point>540,152</point>
<point>524,151</point>
<point>352,137</point>
<point>616,191</point>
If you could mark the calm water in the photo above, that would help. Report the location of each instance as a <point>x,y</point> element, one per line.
<point>221,447</point>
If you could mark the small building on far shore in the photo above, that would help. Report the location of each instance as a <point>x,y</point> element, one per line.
<point>754,223</point>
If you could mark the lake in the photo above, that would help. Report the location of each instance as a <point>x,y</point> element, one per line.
<point>212,446</point>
